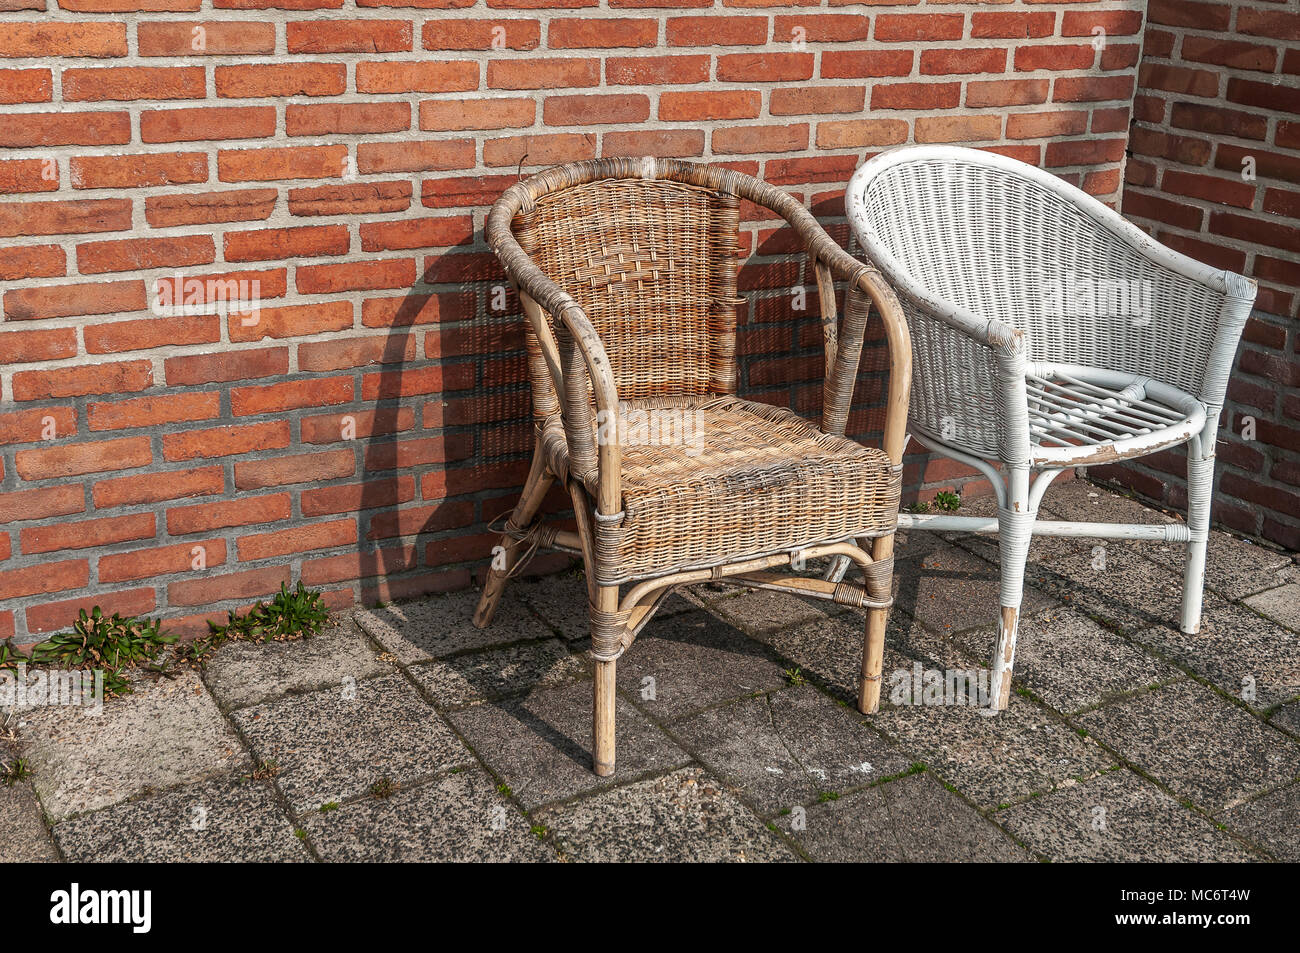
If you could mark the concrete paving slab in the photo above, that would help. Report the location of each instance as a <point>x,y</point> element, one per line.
<point>782,749</point>
<point>497,673</point>
<point>168,732</point>
<point>1079,501</point>
<point>1287,718</point>
<point>23,837</point>
<point>442,625</point>
<point>225,821</point>
<point>561,600</point>
<point>953,590</point>
<point>457,818</point>
<point>911,820</point>
<point>540,745</point>
<point>1271,821</point>
<point>333,745</point>
<point>1234,567</point>
<point>1282,604</point>
<point>683,817</point>
<point>1198,744</point>
<point>246,673</point>
<point>759,611</point>
<point>692,661</point>
<point>1118,817</point>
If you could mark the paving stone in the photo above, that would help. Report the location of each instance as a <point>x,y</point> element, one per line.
<point>782,749</point>
<point>442,625</point>
<point>682,817</point>
<point>1198,744</point>
<point>231,821</point>
<point>1118,817</point>
<point>955,590</point>
<point>166,733</point>
<point>541,744</point>
<point>561,600</point>
<point>910,820</point>
<point>457,818</point>
<point>23,838</point>
<point>1271,822</point>
<point>1238,651</point>
<point>1282,604</point>
<point>1071,662</point>
<point>245,673</point>
<point>759,611</point>
<point>695,660</point>
<point>1287,717</point>
<point>1234,567</point>
<point>1078,501</point>
<point>495,673</point>
<point>333,745</point>
<point>993,759</point>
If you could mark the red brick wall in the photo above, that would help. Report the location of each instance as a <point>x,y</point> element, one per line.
<point>1218,99</point>
<point>343,154</point>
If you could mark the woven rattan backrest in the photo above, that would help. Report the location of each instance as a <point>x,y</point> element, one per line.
<point>1003,246</point>
<point>653,264</point>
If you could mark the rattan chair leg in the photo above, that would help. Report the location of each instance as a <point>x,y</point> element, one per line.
<point>530,501</point>
<point>873,646</point>
<point>602,728</point>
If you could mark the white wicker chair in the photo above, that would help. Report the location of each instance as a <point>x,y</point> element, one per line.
<point>1047,333</point>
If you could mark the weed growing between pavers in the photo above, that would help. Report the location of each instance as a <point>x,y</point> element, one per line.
<point>11,772</point>
<point>112,644</point>
<point>943,501</point>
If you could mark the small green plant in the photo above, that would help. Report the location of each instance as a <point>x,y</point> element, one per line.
<point>948,502</point>
<point>539,831</point>
<point>10,657</point>
<point>299,833</point>
<point>919,507</point>
<point>329,806</point>
<point>11,772</point>
<point>299,611</point>
<point>824,796</point>
<point>384,787</point>
<point>112,644</point>
<point>504,790</point>
<point>265,770</point>
<point>794,676</point>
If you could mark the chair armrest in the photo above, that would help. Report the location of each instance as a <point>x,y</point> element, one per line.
<point>581,355</point>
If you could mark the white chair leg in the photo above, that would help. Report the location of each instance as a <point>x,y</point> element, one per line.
<point>1015,530</point>
<point>1200,485</point>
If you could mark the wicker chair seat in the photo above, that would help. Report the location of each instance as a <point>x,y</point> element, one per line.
<point>732,479</point>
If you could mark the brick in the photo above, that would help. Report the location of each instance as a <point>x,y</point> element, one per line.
<point>412,521</point>
<point>86,534</point>
<point>323,119</point>
<point>440,484</point>
<point>235,585</point>
<point>153,411</point>
<point>916,96</point>
<point>290,395</point>
<point>206,38</point>
<point>225,441</point>
<point>300,539</point>
<point>45,578</point>
<point>1058,57</point>
<point>162,561</point>
<point>1233,54</point>
<point>207,208</point>
<point>275,164</point>
<point>440,34</point>
<point>716,31</point>
<point>549,73</point>
<point>1012,26</point>
<point>383,561</point>
<point>476,114</point>
<point>353,497</point>
<point>1120,56</point>
<point>749,139</point>
<point>539,150</point>
<point>26,86</point>
<point>1275,235</point>
<point>605,34</point>
<point>408,454</point>
<point>389,385</point>
<point>67,129</point>
<point>356,276</point>
<point>860,133</point>
<point>800,101</point>
<point>971,60</point>
<point>30,426</point>
<point>29,175</point>
<point>50,463</point>
<point>329,428</point>
<point>21,347</point>
<point>123,377</point>
<point>1274,24</point>
<point>821,28</point>
<point>138,254</point>
<point>137,171</point>
<point>1267,164</point>
<point>416,156</point>
<point>1270,96</point>
<point>1089,152</point>
<point>1178,79</point>
<point>595,110</point>
<point>356,352</point>
<point>919,27</point>
<point>63,39</point>
<point>307,241</point>
<point>53,616</point>
<point>414,309</point>
<point>764,67</point>
<point>1046,124</point>
<point>1113,22</point>
<point>44,503</point>
<point>275,80</point>
<point>297,468</point>
<point>1202,16</point>
<point>1183,149</point>
<point>656,70</point>
<point>425,77</point>
<point>204,517</point>
<point>416,233</point>
<point>349,36</point>
<point>64,218</point>
<point>1162,210</point>
<point>1218,120</point>
<point>126,83</point>
<point>207,123</point>
<point>1009,92</point>
<point>156,487</point>
<point>717,104</point>
<point>32,261</point>
<point>862,64</point>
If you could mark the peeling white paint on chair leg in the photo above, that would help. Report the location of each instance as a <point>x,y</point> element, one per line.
<point>1200,485</point>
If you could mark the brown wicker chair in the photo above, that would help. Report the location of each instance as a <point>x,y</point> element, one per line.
<point>627,273</point>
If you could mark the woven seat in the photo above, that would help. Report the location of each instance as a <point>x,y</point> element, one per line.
<point>1048,332</point>
<point>745,480</point>
<point>626,271</point>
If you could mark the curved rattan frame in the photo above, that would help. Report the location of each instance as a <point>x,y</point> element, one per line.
<point>1180,355</point>
<point>573,378</point>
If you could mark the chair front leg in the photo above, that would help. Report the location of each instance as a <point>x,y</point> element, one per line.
<point>1200,487</point>
<point>1015,531</point>
<point>880,585</point>
<point>503,560</point>
<point>603,697</point>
